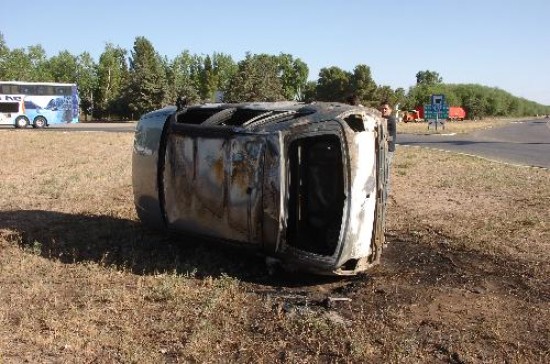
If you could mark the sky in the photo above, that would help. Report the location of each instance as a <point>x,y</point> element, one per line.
<point>496,43</point>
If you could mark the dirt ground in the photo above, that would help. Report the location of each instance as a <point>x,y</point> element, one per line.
<point>463,278</point>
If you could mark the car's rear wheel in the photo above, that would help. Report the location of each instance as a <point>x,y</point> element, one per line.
<point>21,122</point>
<point>39,122</point>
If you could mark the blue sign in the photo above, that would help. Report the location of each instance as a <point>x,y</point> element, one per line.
<point>437,99</point>
<point>432,111</point>
<point>437,109</point>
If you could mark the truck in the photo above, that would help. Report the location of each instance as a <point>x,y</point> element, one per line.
<point>411,116</point>
<point>457,113</point>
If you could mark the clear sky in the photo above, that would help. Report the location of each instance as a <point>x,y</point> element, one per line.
<point>497,43</point>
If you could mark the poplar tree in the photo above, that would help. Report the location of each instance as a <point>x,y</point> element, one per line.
<point>112,73</point>
<point>63,67</point>
<point>147,79</point>
<point>362,85</point>
<point>257,79</point>
<point>333,84</point>
<point>293,75</point>
<point>87,82</point>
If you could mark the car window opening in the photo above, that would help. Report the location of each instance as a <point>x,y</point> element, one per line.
<point>217,116</point>
<point>242,116</point>
<point>195,116</point>
<point>355,122</point>
<point>262,115</point>
<point>316,194</point>
<point>220,117</point>
<point>277,117</point>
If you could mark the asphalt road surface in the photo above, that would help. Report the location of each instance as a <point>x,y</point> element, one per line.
<point>100,126</point>
<point>106,126</point>
<point>522,143</point>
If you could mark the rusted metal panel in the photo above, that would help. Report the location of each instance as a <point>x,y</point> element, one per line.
<point>213,187</point>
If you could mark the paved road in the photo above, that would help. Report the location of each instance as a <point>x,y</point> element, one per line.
<point>109,127</point>
<point>524,143</point>
<point>103,126</point>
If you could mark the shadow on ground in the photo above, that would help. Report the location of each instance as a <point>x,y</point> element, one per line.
<point>125,244</point>
<point>128,245</point>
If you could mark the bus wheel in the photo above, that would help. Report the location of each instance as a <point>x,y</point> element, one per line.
<point>39,122</point>
<point>21,122</point>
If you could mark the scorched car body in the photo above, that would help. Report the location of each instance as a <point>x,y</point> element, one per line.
<point>302,183</point>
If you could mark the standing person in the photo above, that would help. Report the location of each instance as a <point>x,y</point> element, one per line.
<point>387,113</point>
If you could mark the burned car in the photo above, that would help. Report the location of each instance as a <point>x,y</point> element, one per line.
<point>304,184</point>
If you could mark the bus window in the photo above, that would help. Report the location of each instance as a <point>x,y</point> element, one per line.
<point>63,90</point>
<point>27,89</point>
<point>9,107</point>
<point>41,90</point>
<point>8,89</point>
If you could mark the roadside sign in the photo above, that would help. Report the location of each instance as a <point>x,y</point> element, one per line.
<point>437,111</point>
<point>437,101</point>
<point>432,112</point>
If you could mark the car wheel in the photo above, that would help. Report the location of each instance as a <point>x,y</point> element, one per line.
<point>21,122</point>
<point>39,122</point>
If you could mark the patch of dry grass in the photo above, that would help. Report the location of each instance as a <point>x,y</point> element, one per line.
<point>463,279</point>
<point>458,127</point>
<point>494,204</point>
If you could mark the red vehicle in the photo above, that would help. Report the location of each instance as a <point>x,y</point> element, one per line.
<point>420,111</point>
<point>411,116</point>
<point>457,113</point>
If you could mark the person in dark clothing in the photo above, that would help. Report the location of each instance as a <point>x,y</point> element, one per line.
<point>387,113</point>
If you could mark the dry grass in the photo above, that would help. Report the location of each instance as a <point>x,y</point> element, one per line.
<point>463,279</point>
<point>458,127</point>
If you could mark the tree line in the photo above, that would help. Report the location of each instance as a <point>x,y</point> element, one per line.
<point>124,84</point>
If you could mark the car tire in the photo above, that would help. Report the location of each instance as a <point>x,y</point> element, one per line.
<point>21,122</point>
<point>39,122</point>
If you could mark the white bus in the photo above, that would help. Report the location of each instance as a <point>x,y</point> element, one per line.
<point>38,104</point>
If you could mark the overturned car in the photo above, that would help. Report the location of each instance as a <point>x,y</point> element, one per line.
<point>303,184</point>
